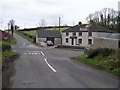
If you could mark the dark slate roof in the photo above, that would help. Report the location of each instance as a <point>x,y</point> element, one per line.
<point>90,28</point>
<point>48,33</point>
<point>75,28</point>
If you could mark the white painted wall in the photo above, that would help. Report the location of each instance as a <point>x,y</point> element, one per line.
<point>84,38</point>
<point>57,41</point>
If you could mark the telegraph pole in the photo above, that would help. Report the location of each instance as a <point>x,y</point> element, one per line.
<point>59,23</point>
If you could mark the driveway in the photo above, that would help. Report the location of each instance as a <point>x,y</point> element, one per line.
<point>40,67</point>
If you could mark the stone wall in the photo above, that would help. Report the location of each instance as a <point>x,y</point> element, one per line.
<point>106,43</point>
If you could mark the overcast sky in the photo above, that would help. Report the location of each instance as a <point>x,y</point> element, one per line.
<point>29,13</point>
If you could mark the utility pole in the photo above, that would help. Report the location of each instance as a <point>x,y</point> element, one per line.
<point>59,23</point>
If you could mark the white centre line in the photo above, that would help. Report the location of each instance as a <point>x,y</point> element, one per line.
<point>42,53</point>
<point>49,65</point>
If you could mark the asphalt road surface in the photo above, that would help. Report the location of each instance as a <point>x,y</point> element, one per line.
<point>47,67</point>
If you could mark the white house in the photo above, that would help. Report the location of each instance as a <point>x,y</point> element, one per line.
<point>83,35</point>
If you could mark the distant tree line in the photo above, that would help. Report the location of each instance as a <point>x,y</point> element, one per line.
<point>107,17</point>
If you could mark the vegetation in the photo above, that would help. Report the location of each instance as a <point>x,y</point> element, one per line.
<point>31,33</point>
<point>30,38</point>
<point>103,59</point>
<point>12,26</point>
<point>107,17</point>
<point>7,53</point>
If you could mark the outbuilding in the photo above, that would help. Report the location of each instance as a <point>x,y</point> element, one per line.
<point>42,36</point>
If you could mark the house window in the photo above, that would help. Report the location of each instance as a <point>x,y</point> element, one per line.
<point>89,41</point>
<point>80,41</point>
<point>66,40</point>
<point>74,33</point>
<point>80,33</point>
<point>90,33</point>
<point>67,33</point>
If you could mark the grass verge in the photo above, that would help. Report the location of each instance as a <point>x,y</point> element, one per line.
<point>103,61</point>
<point>25,36</point>
<point>7,55</point>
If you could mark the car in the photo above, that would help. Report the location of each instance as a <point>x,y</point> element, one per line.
<point>50,43</point>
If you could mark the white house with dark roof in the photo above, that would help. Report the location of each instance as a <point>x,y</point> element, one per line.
<point>83,35</point>
<point>43,36</point>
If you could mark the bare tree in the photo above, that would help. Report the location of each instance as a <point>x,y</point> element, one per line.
<point>12,23</point>
<point>105,14</point>
<point>42,22</point>
<point>96,16</point>
<point>89,18</point>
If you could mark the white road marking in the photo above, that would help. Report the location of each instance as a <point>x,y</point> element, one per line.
<point>42,53</point>
<point>25,53</point>
<point>49,65</point>
<point>33,52</point>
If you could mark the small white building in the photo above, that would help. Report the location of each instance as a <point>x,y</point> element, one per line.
<point>42,36</point>
<point>83,35</point>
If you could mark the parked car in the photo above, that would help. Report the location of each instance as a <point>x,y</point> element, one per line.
<point>49,43</point>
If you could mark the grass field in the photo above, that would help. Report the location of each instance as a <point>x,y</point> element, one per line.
<point>32,33</point>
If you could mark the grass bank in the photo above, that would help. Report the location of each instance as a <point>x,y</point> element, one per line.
<point>7,53</point>
<point>8,57</point>
<point>27,36</point>
<point>103,59</point>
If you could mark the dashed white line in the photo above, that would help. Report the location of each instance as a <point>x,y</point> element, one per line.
<point>42,53</point>
<point>49,65</point>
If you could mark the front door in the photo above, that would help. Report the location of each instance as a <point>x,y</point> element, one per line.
<point>72,41</point>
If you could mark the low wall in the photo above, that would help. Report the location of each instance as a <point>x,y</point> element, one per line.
<point>102,42</point>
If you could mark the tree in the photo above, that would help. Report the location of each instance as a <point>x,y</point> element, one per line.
<point>16,27</point>
<point>105,13</point>
<point>101,16</point>
<point>8,27</point>
<point>108,19</point>
<point>12,24</point>
<point>90,17</point>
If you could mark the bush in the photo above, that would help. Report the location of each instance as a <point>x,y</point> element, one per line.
<point>103,52</point>
<point>116,71</point>
<point>7,55</point>
<point>6,47</point>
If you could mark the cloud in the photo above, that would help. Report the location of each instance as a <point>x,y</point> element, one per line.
<point>32,11</point>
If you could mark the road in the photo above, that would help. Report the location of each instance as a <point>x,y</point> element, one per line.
<point>41,67</point>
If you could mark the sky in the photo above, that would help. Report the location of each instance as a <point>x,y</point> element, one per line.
<point>29,13</point>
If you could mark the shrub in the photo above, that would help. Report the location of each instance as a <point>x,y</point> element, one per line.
<point>92,53</point>
<point>116,71</point>
<point>5,46</point>
<point>7,55</point>
<point>103,52</point>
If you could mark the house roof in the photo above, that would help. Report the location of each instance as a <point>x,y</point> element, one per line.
<point>75,28</point>
<point>42,33</point>
<point>86,28</point>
